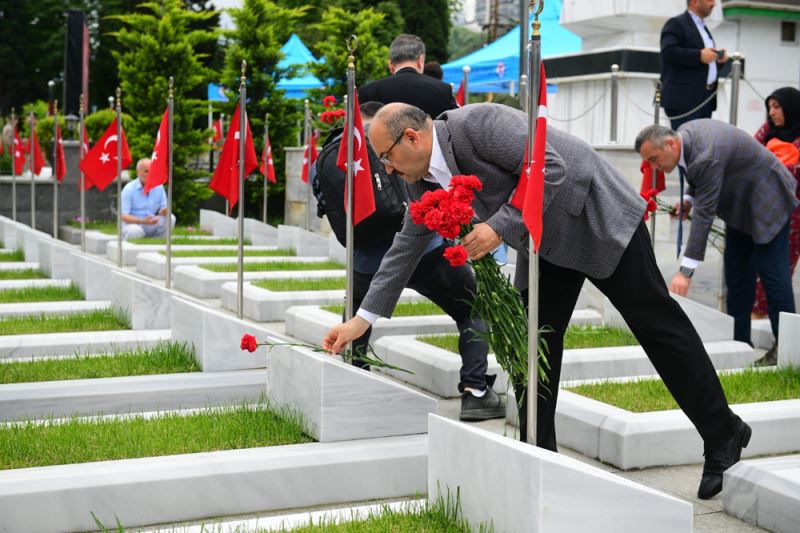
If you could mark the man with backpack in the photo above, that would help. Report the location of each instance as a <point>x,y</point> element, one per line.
<point>451,288</point>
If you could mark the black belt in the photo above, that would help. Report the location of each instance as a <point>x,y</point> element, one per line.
<point>711,86</point>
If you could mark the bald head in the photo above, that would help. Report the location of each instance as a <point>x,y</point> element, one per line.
<point>143,168</point>
<point>402,136</point>
<point>396,117</point>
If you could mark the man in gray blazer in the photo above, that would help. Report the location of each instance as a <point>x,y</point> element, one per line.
<point>593,229</point>
<point>731,175</point>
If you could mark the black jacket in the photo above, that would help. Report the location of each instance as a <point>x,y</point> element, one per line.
<point>409,86</point>
<point>683,75</point>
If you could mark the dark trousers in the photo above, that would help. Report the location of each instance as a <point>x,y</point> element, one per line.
<point>451,288</point>
<point>703,112</point>
<point>743,260</point>
<point>637,290</point>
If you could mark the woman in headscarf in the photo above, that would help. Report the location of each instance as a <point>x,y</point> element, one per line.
<point>782,126</point>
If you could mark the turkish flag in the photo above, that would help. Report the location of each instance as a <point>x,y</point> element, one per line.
<point>36,164</point>
<point>529,196</point>
<point>87,181</point>
<point>225,181</point>
<point>460,95</point>
<point>159,168</point>
<point>61,163</point>
<point>309,157</point>
<point>100,163</point>
<point>267,167</point>
<point>363,197</point>
<point>217,131</point>
<point>19,154</point>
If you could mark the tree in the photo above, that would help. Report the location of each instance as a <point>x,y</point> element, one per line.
<point>155,44</point>
<point>431,22</point>
<point>261,29</point>
<point>464,41</point>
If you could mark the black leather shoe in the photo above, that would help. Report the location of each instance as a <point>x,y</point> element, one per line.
<point>488,406</point>
<point>721,459</point>
<point>770,358</point>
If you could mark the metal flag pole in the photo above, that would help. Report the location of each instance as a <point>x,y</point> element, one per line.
<point>465,82</point>
<point>31,157</point>
<point>119,177</point>
<point>82,178</point>
<point>55,169</point>
<point>352,44</point>
<point>210,139</point>
<point>242,141</point>
<point>168,221</point>
<point>654,181</point>
<point>534,58</point>
<point>14,166</point>
<point>222,128</point>
<point>523,52</point>
<point>266,163</point>
<point>308,137</point>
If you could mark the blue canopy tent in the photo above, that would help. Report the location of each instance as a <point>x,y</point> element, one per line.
<point>494,66</point>
<point>295,53</point>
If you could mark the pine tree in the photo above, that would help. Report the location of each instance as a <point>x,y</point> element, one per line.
<point>431,22</point>
<point>157,43</point>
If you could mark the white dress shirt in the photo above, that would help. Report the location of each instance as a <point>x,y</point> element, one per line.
<point>708,42</point>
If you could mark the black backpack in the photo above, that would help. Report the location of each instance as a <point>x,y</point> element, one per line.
<point>328,187</point>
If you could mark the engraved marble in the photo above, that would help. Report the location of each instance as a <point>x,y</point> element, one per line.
<point>19,347</point>
<point>789,344</point>
<point>341,402</point>
<point>120,395</point>
<point>518,487</point>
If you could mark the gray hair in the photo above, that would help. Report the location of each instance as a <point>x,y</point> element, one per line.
<point>141,162</point>
<point>655,134</point>
<point>406,47</point>
<point>398,117</point>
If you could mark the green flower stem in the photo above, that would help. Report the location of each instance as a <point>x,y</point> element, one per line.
<point>347,356</point>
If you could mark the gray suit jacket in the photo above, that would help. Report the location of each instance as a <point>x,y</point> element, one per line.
<point>590,212</point>
<point>733,176</point>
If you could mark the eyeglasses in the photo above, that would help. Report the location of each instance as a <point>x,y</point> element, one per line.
<point>384,157</point>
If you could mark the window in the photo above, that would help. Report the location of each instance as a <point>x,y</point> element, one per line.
<point>788,32</point>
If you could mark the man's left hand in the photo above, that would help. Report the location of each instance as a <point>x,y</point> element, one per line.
<point>481,241</point>
<point>163,212</point>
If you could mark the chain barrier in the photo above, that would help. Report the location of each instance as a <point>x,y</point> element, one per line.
<point>602,97</point>
<point>753,89</point>
<point>696,109</point>
<point>648,112</point>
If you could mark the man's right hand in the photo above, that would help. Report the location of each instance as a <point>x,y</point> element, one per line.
<point>150,220</point>
<point>337,337</point>
<point>708,55</point>
<point>687,206</point>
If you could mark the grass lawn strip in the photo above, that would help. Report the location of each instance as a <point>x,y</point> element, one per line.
<point>31,444</point>
<point>110,228</point>
<point>275,266</point>
<point>188,240</point>
<point>748,386</point>
<point>576,337</point>
<point>98,320</point>
<point>230,253</point>
<point>12,256</point>
<point>402,309</point>
<point>41,294</point>
<point>301,284</point>
<point>164,358</point>
<point>25,273</point>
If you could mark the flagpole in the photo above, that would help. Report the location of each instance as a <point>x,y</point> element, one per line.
<point>352,44</point>
<point>266,163</point>
<point>534,58</point>
<point>465,82</point>
<point>222,129</point>
<point>210,139</point>
<point>119,177</point>
<point>168,221</point>
<point>55,169</point>
<point>31,157</point>
<point>654,180</point>
<point>82,179</point>
<point>14,167</point>
<point>242,142</point>
<point>308,137</point>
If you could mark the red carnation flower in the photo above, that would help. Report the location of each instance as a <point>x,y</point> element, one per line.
<point>329,101</point>
<point>249,343</point>
<point>468,182</point>
<point>456,255</point>
<point>652,206</point>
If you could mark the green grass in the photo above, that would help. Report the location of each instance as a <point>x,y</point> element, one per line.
<point>187,240</point>
<point>576,337</point>
<point>25,273</point>
<point>652,395</point>
<point>164,358</point>
<point>29,444</point>
<point>102,320</point>
<point>110,228</point>
<point>14,255</point>
<point>402,309</point>
<point>41,294</point>
<point>301,284</point>
<point>276,266</point>
<point>230,253</point>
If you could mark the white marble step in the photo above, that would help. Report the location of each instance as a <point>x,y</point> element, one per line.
<point>765,493</point>
<point>162,392</point>
<point>52,308</point>
<point>48,344</point>
<point>18,265</point>
<point>25,283</point>
<point>155,265</point>
<point>203,283</point>
<point>131,251</point>
<point>157,490</point>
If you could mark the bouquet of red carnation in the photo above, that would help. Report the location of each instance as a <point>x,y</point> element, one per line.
<point>332,115</point>
<point>449,213</point>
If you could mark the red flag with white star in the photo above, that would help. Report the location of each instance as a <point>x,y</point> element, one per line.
<point>19,154</point>
<point>61,163</point>
<point>37,162</point>
<point>225,181</point>
<point>267,167</point>
<point>100,163</point>
<point>309,156</point>
<point>87,181</point>
<point>363,197</point>
<point>217,131</point>
<point>159,171</point>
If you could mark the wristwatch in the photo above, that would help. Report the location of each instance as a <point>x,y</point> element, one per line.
<point>686,271</point>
